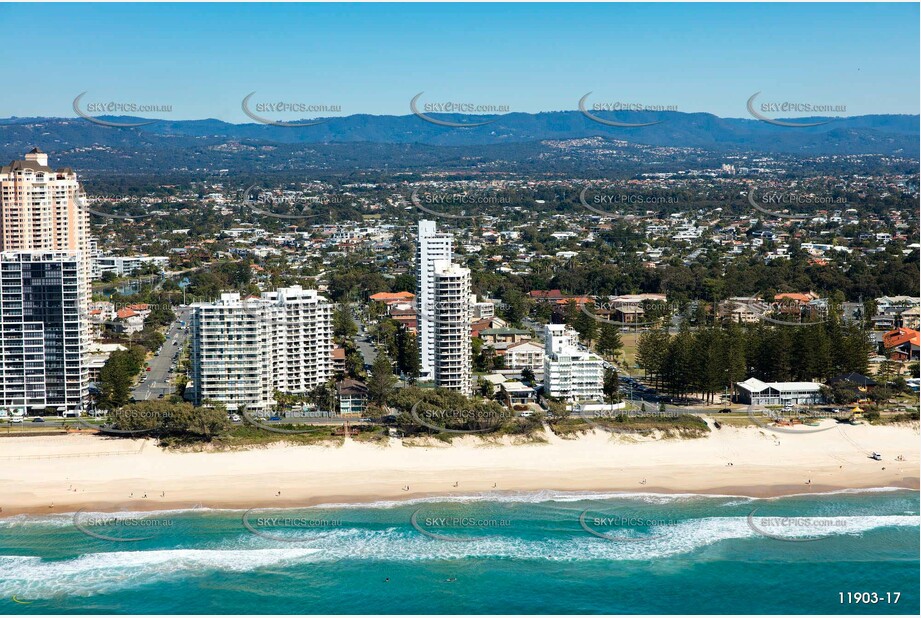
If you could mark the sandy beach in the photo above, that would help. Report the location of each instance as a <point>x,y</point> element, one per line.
<point>57,474</point>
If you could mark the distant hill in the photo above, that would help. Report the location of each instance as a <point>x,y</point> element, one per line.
<point>896,135</point>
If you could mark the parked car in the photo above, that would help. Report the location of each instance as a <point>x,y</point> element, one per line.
<point>16,419</point>
<point>725,411</point>
<point>38,419</point>
<point>275,418</point>
<point>235,418</point>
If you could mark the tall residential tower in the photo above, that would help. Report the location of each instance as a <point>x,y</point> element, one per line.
<point>243,350</point>
<point>453,349</point>
<point>432,246</point>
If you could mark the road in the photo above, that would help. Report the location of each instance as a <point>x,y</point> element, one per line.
<point>159,378</point>
<point>363,342</point>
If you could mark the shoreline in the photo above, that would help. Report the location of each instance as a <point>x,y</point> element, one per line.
<point>343,502</point>
<point>56,475</point>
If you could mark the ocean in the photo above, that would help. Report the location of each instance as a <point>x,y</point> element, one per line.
<point>849,552</point>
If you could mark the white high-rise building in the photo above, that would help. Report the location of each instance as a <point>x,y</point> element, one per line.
<point>432,246</point>
<point>569,373</point>
<point>44,332</point>
<point>243,350</point>
<point>452,314</point>
<point>304,339</point>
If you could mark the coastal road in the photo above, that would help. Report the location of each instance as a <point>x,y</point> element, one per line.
<point>159,378</point>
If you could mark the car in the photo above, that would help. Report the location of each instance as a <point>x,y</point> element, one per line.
<point>160,396</point>
<point>725,411</point>
<point>876,456</point>
<point>38,419</point>
<point>235,418</point>
<point>148,368</point>
<point>16,419</point>
<point>365,420</point>
<point>275,418</point>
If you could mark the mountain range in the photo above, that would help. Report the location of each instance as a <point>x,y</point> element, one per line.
<point>889,135</point>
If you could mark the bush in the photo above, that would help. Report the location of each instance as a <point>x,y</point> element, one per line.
<point>169,419</point>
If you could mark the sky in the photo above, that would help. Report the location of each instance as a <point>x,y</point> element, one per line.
<point>203,59</point>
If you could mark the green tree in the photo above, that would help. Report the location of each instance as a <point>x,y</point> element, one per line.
<point>344,327</point>
<point>586,325</point>
<point>382,380</point>
<point>610,386</point>
<point>527,374</point>
<point>609,341</point>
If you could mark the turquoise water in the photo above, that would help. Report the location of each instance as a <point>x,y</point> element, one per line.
<point>521,553</point>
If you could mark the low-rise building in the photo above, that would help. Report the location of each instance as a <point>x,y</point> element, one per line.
<point>570,374</point>
<point>757,393</point>
<point>353,397</point>
<point>525,354</point>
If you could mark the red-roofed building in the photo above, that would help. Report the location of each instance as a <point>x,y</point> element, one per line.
<point>389,298</point>
<point>339,360</point>
<point>902,344</point>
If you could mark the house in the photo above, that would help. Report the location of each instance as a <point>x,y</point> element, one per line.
<point>757,393</point>
<point>902,344</point>
<point>405,315</point>
<point>862,382</point>
<point>517,392</point>
<point>129,321</point>
<point>353,397</point>
<point>741,310</point>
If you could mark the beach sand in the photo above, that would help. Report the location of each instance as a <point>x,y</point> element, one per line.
<point>58,474</point>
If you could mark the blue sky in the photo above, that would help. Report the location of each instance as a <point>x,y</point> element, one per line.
<point>202,59</point>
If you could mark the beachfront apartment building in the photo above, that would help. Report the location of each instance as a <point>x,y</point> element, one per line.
<point>570,374</point>
<point>41,209</point>
<point>44,332</point>
<point>453,349</point>
<point>432,246</point>
<point>243,350</point>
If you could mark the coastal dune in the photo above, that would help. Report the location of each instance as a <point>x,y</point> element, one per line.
<point>59,474</point>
